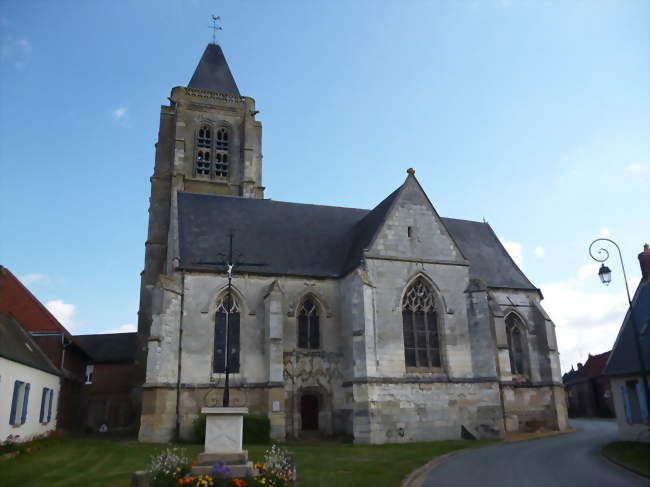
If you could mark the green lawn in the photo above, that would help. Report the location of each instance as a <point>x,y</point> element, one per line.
<point>85,462</point>
<point>631,453</point>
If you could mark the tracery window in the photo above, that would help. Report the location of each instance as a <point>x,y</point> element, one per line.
<point>420,323</point>
<point>308,325</point>
<point>227,309</point>
<point>514,332</point>
<point>212,152</point>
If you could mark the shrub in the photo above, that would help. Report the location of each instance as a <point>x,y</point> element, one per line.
<point>198,428</point>
<point>257,429</point>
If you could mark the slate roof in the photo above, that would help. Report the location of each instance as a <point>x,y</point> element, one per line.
<point>212,73</point>
<point>109,347</point>
<point>313,240</point>
<point>17,345</point>
<point>624,357</point>
<point>571,377</point>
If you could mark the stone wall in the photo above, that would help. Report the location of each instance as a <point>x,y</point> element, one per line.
<point>426,411</point>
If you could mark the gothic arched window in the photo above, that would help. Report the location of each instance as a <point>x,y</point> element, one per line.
<point>308,325</point>
<point>515,334</point>
<point>221,153</point>
<point>226,316</point>
<point>203,153</point>
<point>420,322</point>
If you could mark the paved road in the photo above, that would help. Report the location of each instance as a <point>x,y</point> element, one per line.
<point>571,460</point>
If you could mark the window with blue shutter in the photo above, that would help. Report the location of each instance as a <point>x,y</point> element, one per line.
<point>643,405</point>
<point>49,407</point>
<point>43,399</point>
<point>626,404</point>
<point>23,416</point>
<point>14,402</point>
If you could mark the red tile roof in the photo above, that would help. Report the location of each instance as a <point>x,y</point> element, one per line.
<point>16,300</point>
<point>595,365</point>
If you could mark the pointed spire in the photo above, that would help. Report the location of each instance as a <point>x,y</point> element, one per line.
<point>213,73</point>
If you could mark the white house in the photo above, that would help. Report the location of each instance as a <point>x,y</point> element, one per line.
<point>29,385</point>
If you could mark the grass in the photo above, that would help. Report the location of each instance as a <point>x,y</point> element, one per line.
<point>105,463</point>
<point>632,454</point>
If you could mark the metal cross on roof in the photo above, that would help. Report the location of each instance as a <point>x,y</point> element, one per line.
<point>215,28</point>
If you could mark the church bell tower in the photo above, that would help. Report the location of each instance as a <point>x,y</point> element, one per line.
<point>208,142</point>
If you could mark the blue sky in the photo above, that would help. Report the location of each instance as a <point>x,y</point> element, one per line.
<point>531,114</point>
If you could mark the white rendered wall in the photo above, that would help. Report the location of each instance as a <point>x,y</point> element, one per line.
<point>10,372</point>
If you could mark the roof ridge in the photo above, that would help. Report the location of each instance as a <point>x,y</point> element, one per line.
<point>271,200</point>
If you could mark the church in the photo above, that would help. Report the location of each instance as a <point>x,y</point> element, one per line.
<point>387,325</point>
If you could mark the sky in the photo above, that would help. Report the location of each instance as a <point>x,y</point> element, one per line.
<point>532,115</point>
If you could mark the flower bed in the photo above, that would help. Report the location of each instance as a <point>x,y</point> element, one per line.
<point>170,469</point>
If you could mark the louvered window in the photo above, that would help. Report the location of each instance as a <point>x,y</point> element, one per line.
<point>227,317</point>
<point>203,152</point>
<point>221,153</point>
<point>420,326</point>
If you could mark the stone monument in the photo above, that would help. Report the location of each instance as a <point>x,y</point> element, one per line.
<point>223,442</point>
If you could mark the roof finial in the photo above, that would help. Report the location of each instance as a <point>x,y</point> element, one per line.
<point>215,28</point>
<point>410,171</point>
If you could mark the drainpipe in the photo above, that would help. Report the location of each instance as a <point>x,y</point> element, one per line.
<point>180,355</point>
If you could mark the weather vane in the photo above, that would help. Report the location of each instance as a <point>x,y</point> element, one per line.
<point>215,28</point>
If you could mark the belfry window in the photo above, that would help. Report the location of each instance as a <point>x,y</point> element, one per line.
<point>212,152</point>
<point>203,153</point>
<point>514,332</point>
<point>420,324</point>
<point>308,325</point>
<point>221,153</point>
<point>226,317</point>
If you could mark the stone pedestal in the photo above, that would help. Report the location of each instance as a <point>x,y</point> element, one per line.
<point>224,428</point>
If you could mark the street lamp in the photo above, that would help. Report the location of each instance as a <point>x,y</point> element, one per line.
<point>605,275</point>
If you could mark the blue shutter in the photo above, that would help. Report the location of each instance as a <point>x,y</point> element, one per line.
<point>23,416</point>
<point>643,405</point>
<point>43,398</point>
<point>49,408</point>
<point>14,402</point>
<point>626,404</point>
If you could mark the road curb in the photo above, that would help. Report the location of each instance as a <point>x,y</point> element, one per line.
<point>416,478</point>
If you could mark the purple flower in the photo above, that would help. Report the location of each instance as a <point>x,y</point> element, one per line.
<point>221,469</point>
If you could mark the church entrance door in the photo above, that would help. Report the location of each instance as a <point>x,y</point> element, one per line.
<point>309,412</point>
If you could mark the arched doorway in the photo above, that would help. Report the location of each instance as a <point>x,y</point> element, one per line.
<point>309,410</point>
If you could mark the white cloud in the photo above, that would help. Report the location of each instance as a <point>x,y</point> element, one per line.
<point>637,168</point>
<point>34,278</point>
<point>539,251</point>
<point>65,313</point>
<point>588,271</point>
<point>119,113</point>
<point>516,252</point>
<point>126,328</point>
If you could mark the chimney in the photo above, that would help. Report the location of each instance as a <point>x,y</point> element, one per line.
<point>644,261</point>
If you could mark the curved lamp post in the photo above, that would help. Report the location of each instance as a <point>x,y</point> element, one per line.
<point>605,275</point>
